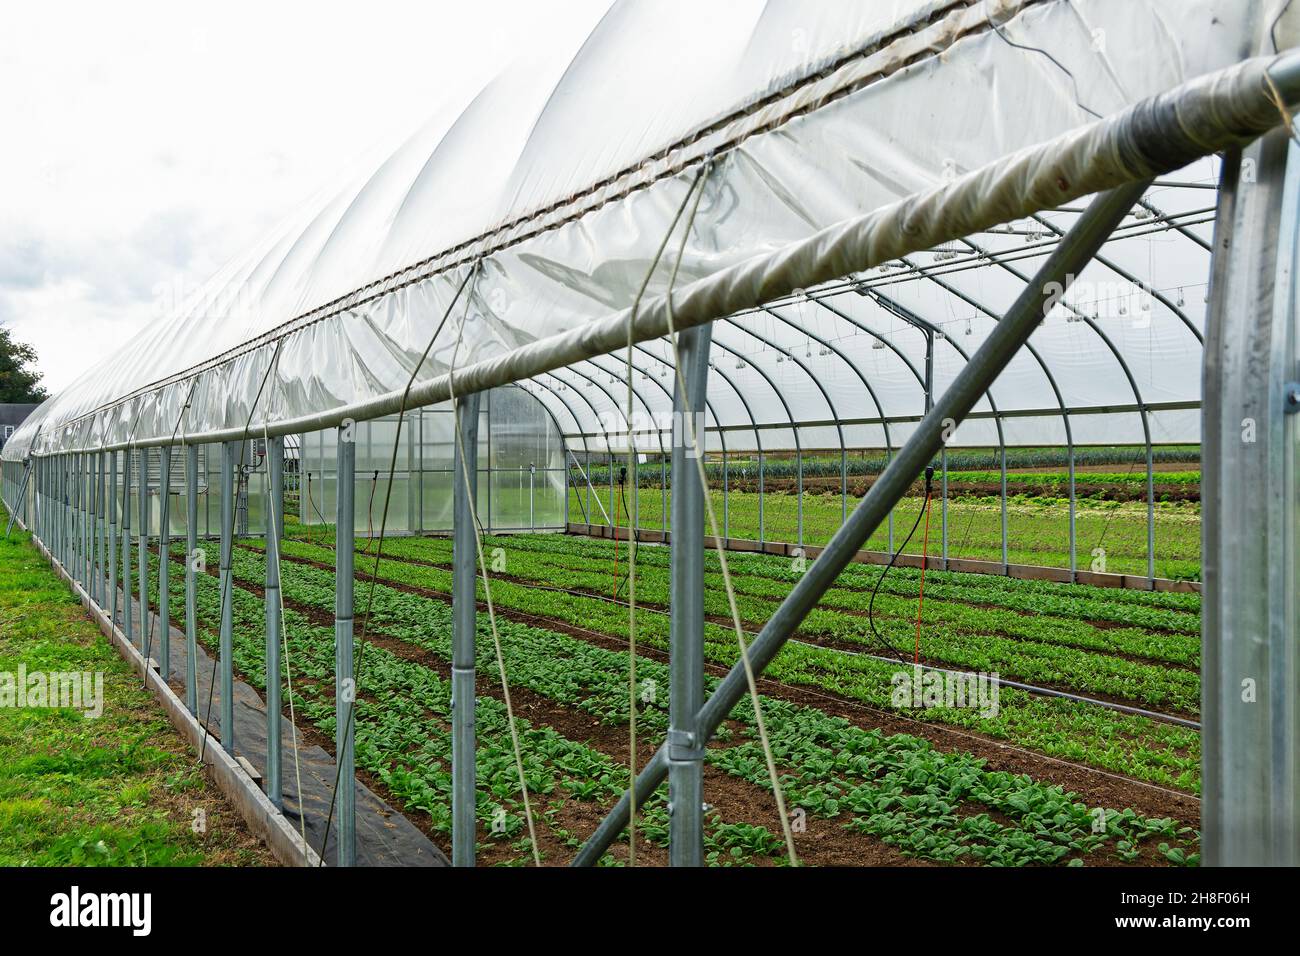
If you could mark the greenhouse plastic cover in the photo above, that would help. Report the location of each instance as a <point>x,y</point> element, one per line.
<point>563,176</point>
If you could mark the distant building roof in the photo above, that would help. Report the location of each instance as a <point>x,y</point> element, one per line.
<point>11,416</point>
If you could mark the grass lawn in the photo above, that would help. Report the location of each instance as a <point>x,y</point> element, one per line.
<point>121,789</point>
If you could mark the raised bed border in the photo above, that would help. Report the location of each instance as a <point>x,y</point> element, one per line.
<point>1026,572</point>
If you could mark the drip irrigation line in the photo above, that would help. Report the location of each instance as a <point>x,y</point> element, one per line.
<point>374,481</point>
<point>920,594</point>
<point>633,530</point>
<point>871,605</point>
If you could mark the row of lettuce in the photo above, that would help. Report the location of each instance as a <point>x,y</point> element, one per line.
<point>898,789</point>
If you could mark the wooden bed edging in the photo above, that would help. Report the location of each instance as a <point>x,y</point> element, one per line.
<point>1027,572</point>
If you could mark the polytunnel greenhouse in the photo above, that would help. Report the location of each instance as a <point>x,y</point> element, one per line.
<point>731,343</point>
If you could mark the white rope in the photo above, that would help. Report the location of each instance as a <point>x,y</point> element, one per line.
<point>717,537</point>
<point>272,536</point>
<point>632,519</point>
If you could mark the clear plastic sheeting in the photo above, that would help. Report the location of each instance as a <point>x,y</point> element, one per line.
<point>562,177</point>
<point>520,472</point>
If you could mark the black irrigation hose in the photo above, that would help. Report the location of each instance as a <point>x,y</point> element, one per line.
<point>631,521</point>
<point>312,501</point>
<point>370,509</point>
<point>871,606</point>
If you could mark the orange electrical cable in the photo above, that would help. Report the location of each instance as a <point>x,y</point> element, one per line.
<point>920,599</point>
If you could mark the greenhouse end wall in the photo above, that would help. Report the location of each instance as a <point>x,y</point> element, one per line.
<point>521,470</point>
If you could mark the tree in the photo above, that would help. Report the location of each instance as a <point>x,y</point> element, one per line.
<point>18,383</point>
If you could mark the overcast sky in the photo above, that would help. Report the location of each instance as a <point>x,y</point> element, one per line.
<point>144,144</point>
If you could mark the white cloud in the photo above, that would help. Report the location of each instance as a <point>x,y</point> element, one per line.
<point>145,144</point>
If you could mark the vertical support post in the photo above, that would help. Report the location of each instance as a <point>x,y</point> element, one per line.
<point>418,437</point>
<point>105,526</point>
<point>844,483</point>
<point>65,526</point>
<point>70,540</point>
<point>412,433</point>
<point>101,526</point>
<point>663,493</point>
<point>1003,466</point>
<point>79,515</point>
<point>92,526</point>
<point>274,534</point>
<point>943,502</point>
<point>889,456</point>
<point>56,489</point>
<point>1151,515</point>
<point>191,558</point>
<point>69,515</point>
<point>146,631</point>
<point>762,524</point>
<point>1074,538</point>
<point>128,615</point>
<point>62,478</point>
<point>929,404</point>
<point>686,602</point>
<point>798,452</point>
<point>87,521</point>
<point>464,623</point>
<point>1250,625</point>
<point>726,503</point>
<point>225,646</point>
<point>344,679</point>
<point>56,506</point>
<point>164,561</point>
<point>74,533</point>
<point>112,537</point>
